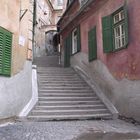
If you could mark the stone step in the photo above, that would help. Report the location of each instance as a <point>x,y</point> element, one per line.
<point>67,95</point>
<point>58,76</point>
<point>67,98</point>
<point>61,82</point>
<point>69,112</point>
<point>44,73</point>
<point>64,84</point>
<point>59,79</point>
<point>70,117</point>
<point>58,103</point>
<point>39,71</point>
<point>70,107</point>
<point>65,88</point>
<point>65,91</point>
<point>54,69</point>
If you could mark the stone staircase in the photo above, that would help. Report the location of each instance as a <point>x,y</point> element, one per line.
<point>64,95</point>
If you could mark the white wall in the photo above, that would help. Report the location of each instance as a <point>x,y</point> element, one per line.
<point>15,92</point>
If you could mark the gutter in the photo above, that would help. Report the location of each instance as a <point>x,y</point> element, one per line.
<point>66,11</point>
<point>78,14</point>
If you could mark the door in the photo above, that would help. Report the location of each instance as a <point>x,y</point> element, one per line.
<point>67,52</point>
<point>92,45</point>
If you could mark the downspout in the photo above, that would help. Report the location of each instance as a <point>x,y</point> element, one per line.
<point>34,24</point>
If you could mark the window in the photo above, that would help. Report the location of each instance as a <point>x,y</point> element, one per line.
<point>92,45</point>
<point>76,40</point>
<point>5,52</point>
<point>119,29</point>
<point>59,2</point>
<point>115,30</point>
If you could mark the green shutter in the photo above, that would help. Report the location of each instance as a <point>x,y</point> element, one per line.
<point>107,34</point>
<point>78,39</point>
<point>126,23</point>
<point>70,42</point>
<point>1,49</point>
<point>92,44</point>
<point>66,52</point>
<point>5,52</point>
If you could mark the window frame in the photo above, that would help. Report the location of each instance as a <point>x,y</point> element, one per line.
<point>75,30</point>
<point>108,30</point>
<point>78,29</point>
<point>114,25</point>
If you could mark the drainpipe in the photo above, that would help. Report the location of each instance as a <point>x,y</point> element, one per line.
<point>34,24</point>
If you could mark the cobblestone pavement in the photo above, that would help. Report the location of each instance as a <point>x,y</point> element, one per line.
<point>64,130</point>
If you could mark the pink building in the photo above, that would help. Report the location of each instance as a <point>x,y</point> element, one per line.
<point>101,38</point>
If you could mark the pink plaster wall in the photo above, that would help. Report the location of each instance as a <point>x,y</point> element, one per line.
<point>126,62</point>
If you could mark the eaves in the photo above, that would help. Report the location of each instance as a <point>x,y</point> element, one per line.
<point>89,2</point>
<point>67,9</point>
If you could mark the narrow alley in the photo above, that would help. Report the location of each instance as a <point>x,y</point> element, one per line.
<point>68,109</point>
<point>69,70</point>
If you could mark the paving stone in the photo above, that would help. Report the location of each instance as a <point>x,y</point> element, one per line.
<point>64,130</point>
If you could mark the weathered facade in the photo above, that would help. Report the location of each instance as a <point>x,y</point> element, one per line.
<point>48,12</point>
<point>101,38</point>
<point>15,56</point>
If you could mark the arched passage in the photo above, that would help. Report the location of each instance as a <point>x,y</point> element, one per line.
<point>51,42</point>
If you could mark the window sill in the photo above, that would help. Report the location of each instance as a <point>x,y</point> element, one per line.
<point>75,53</point>
<point>119,49</point>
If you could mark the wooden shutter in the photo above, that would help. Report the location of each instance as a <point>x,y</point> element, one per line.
<point>126,23</point>
<point>78,39</point>
<point>92,44</point>
<point>1,49</point>
<point>107,34</point>
<point>70,42</point>
<point>5,52</point>
<point>66,52</point>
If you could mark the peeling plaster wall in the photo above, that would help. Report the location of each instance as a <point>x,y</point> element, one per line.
<point>123,63</point>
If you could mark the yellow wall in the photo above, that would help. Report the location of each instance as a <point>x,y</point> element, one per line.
<point>9,19</point>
